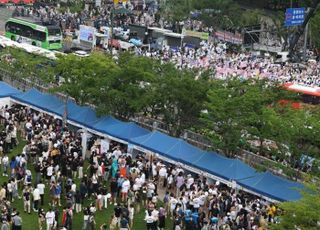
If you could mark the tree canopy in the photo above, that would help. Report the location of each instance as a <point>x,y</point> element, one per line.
<point>301,214</point>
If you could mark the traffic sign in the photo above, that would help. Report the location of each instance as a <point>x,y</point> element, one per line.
<point>294,16</point>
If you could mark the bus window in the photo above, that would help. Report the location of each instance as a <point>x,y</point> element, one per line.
<point>39,35</point>
<point>11,27</point>
<point>54,31</point>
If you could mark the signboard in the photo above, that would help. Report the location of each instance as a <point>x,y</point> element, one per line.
<point>104,145</point>
<point>196,34</point>
<point>86,33</point>
<point>294,16</point>
<point>228,37</point>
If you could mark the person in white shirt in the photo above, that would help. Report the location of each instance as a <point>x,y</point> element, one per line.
<point>125,188</point>
<point>162,175</point>
<point>50,219</point>
<point>190,181</point>
<point>172,203</point>
<point>36,199</point>
<point>49,172</point>
<point>155,215</point>
<point>196,203</point>
<point>117,153</point>
<point>41,186</point>
<point>5,165</point>
<point>73,187</point>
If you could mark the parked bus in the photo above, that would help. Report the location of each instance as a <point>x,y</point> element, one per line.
<point>26,30</point>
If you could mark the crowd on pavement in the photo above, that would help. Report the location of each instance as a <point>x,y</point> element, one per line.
<point>217,57</point>
<point>51,170</point>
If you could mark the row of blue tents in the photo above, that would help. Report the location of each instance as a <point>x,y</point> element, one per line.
<point>263,183</point>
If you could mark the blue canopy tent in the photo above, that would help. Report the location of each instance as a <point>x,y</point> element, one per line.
<point>156,142</point>
<point>238,170</point>
<point>185,152</point>
<point>126,130</point>
<point>35,98</point>
<point>266,184</point>
<point>226,168</point>
<point>272,186</point>
<point>7,90</point>
<point>104,123</point>
<point>82,115</point>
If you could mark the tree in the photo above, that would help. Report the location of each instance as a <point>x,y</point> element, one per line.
<point>179,98</point>
<point>225,14</point>
<point>84,79</point>
<point>315,29</point>
<point>224,114</point>
<point>175,11</point>
<point>239,111</point>
<point>301,214</point>
<point>131,88</point>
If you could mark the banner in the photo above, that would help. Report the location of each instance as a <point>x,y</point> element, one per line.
<point>196,34</point>
<point>104,145</point>
<point>228,37</point>
<point>87,33</point>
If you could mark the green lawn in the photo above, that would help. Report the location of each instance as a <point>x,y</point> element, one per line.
<point>30,221</point>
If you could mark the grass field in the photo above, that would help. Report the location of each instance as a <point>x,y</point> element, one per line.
<point>30,221</point>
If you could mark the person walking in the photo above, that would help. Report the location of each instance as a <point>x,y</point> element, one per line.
<point>26,199</point>
<point>41,186</point>
<point>50,219</point>
<point>16,222</point>
<point>36,199</point>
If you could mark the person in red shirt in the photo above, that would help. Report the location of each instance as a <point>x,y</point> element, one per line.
<point>64,216</point>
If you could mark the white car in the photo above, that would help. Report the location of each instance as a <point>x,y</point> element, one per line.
<point>81,53</point>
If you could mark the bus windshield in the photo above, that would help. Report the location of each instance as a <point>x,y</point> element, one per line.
<point>54,31</point>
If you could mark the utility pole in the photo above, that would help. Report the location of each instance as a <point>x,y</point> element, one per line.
<point>300,30</point>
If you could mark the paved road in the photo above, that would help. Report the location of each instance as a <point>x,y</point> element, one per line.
<point>5,14</point>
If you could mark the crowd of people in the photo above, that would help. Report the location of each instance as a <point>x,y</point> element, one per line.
<point>217,57</point>
<point>51,170</point>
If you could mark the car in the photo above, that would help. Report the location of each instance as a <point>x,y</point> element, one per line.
<point>81,53</point>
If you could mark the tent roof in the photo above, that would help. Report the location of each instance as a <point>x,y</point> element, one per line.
<point>83,115</point>
<point>7,90</point>
<point>185,152</point>
<point>226,168</point>
<point>272,186</point>
<point>126,130</point>
<point>157,142</point>
<point>104,123</point>
<point>40,100</point>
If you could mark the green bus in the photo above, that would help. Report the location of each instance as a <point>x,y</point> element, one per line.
<point>25,30</point>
